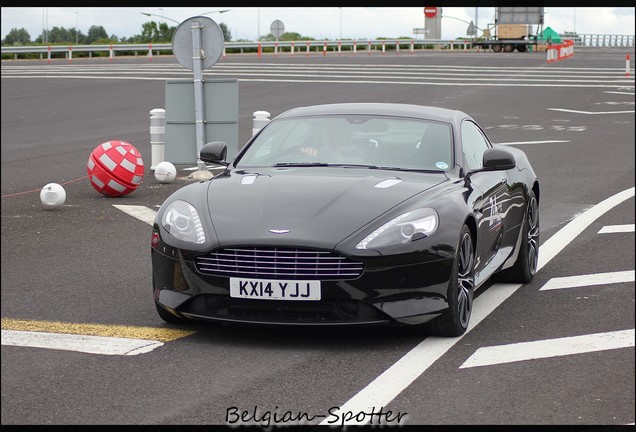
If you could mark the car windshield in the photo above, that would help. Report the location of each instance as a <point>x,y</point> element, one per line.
<point>354,141</point>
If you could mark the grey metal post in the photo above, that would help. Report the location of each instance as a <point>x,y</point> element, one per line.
<point>199,114</point>
<point>157,136</point>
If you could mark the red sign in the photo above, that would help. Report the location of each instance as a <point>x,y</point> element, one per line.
<point>430,11</point>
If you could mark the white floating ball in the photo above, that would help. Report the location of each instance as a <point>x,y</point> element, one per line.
<point>52,195</point>
<point>165,172</point>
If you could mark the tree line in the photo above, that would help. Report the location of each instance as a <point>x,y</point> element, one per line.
<point>151,32</point>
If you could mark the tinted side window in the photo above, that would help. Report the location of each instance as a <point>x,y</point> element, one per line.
<point>474,145</point>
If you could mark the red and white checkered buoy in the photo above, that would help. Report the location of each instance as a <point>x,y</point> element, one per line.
<point>115,168</point>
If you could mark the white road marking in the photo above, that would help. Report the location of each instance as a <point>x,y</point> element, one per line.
<point>142,213</point>
<point>611,229</point>
<point>523,351</point>
<point>534,142</point>
<point>413,74</point>
<point>565,235</point>
<point>381,391</point>
<point>591,112</point>
<point>498,83</point>
<point>80,343</point>
<point>623,93</point>
<point>588,280</point>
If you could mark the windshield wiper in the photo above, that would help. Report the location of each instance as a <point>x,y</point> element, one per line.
<point>326,164</point>
<point>347,165</point>
<point>300,164</point>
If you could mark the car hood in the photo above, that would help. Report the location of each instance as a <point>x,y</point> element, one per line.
<point>319,206</point>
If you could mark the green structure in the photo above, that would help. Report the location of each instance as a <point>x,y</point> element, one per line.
<point>549,36</point>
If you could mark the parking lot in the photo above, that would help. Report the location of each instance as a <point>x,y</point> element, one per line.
<point>84,268</point>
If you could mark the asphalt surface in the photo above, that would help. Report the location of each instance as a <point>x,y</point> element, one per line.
<point>88,262</point>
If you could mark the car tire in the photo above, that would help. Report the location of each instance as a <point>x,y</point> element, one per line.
<point>454,321</point>
<point>524,269</point>
<point>167,316</point>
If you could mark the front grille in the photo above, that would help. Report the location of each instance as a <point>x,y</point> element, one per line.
<point>278,263</point>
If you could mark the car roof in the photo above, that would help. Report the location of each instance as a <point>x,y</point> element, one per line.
<point>377,108</point>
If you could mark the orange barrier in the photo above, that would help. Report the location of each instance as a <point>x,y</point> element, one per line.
<point>560,51</point>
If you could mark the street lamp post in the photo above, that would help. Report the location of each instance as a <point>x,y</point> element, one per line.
<point>476,17</point>
<point>149,14</point>
<point>178,22</point>
<point>216,11</point>
<point>340,23</point>
<point>46,28</point>
<point>76,27</point>
<point>459,19</point>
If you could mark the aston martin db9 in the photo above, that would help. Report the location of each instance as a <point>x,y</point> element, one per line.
<point>349,214</point>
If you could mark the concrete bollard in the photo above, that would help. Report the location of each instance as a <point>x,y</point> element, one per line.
<point>157,136</point>
<point>261,118</point>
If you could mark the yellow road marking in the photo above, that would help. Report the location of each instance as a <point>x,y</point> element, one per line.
<point>149,333</point>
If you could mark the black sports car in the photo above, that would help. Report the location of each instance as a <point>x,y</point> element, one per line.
<point>356,213</point>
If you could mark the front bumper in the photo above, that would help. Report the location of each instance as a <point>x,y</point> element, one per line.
<point>397,289</point>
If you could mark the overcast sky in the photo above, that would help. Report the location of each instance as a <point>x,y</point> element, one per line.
<point>317,22</point>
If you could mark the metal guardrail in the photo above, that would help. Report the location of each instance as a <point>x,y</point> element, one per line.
<point>320,46</point>
<point>600,40</point>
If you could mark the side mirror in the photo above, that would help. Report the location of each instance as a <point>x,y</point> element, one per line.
<point>214,152</point>
<point>498,159</point>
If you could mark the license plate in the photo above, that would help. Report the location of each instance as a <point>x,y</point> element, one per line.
<point>270,289</point>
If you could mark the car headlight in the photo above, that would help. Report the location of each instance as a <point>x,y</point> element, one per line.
<point>409,226</point>
<point>182,221</point>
